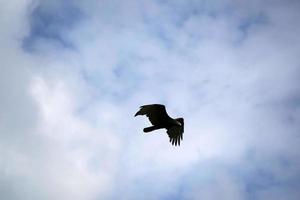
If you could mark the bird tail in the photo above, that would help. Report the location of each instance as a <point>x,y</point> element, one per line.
<point>151,128</point>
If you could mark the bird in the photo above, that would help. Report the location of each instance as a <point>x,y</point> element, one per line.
<point>159,118</point>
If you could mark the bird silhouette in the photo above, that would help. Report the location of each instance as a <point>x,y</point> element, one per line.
<point>159,118</point>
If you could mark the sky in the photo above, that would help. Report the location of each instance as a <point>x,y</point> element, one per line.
<point>74,73</point>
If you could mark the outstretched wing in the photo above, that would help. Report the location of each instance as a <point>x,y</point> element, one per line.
<point>176,133</point>
<point>156,113</point>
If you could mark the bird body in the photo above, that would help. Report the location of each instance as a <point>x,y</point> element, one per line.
<point>159,119</point>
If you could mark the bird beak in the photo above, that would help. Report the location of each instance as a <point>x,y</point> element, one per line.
<point>178,123</point>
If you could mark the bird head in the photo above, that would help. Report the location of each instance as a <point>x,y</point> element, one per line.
<point>180,121</point>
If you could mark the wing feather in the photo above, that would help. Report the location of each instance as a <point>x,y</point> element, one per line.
<point>175,134</point>
<point>155,112</point>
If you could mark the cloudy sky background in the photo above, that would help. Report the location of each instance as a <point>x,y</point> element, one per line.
<point>73,74</point>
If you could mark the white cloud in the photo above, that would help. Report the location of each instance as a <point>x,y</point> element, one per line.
<point>66,121</point>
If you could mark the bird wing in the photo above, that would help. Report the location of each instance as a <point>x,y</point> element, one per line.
<point>175,134</point>
<point>155,112</point>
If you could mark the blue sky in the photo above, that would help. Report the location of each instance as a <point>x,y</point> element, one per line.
<point>73,74</point>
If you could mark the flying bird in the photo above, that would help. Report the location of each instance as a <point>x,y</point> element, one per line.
<point>159,118</point>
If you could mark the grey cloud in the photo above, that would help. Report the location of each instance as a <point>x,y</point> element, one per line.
<point>49,22</point>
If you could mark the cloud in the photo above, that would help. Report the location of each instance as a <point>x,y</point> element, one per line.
<point>74,73</point>
<point>49,23</point>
